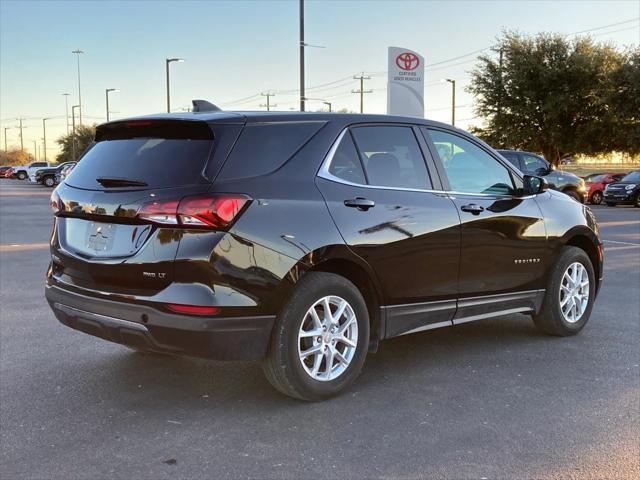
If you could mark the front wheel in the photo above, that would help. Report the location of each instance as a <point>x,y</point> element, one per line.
<point>596,198</point>
<point>21,175</point>
<point>636,202</point>
<point>320,339</point>
<point>569,296</point>
<point>49,181</point>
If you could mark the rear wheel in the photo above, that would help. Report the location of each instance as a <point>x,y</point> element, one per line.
<point>569,296</point>
<point>636,202</point>
<point>49,181</point>
<point>596,198</point>
<point>21,175</point>
<point>320,339</point>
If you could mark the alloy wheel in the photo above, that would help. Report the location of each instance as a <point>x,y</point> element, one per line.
<point>596,198</point>
<point>328,338</point>
<point>574,292</point>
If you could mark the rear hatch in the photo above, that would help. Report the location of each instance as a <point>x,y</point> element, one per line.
<point>117,229</point>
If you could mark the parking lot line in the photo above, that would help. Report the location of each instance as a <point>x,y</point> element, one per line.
<point>20,247</point>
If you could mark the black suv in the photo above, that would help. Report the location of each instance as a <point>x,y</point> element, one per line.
<point>303,240</point>
<point>532,164</point>
<point>625,191</point>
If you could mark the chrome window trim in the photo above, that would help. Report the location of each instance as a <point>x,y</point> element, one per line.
<point>326,164</point>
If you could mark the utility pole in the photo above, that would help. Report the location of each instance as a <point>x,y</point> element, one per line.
<point>5,137</point>
<point>77,51</point>
<point>35,150</point>
<point>268,105</point>
<point>329,105</point>
<point>362,91</point>
<point>66,109</point>
<point>44,137</point>
<point>21,140</point>
<point>73,138</point>
<point>301,12</point>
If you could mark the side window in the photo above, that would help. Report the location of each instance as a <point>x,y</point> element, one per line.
<point>512,157</point>
<point>391,157</point>
<point>469,168</point>
<point>534,164</point>
<point>345,163</point>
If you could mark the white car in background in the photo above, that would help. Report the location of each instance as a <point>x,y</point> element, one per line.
<point>32,168</point>
<point>24,171</point>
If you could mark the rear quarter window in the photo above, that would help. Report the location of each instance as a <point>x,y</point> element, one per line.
<point>263,148</point>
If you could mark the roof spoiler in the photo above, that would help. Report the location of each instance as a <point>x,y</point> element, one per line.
<point>204,106</point>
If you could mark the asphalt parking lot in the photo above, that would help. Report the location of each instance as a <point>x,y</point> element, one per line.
<point>492,399</point>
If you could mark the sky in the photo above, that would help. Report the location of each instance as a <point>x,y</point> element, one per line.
<point>235,50</point>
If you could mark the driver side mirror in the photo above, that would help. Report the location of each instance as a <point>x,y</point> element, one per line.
<point>534,185</point>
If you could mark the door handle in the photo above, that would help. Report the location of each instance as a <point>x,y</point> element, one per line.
<point>472,208</point>
<point>360,203</point>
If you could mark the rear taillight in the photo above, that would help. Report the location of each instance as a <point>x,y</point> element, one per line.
<point>211,211</point>
<point>55,202</point>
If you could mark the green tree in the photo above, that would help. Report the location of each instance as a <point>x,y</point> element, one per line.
<point>77,143</point>
<point>557,96</point>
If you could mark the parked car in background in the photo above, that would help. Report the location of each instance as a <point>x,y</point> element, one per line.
<point>3,170</point>
<point>65,171</point>
<point>532,164</point>
<point>624,192</point>
<point>9,173</point>
<point>31,171</point>
<point>22,171</point>
<point>47,176</point>
<point>597,182</point>
<point>303,240</point>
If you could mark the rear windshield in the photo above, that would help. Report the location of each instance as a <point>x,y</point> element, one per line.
<point>156,162</point>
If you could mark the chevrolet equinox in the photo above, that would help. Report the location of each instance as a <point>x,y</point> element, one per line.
<point>304,239</point>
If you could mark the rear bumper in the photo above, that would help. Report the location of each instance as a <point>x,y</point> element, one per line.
<point>144,327</point>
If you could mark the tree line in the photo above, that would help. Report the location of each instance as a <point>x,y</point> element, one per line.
<point>557,96</point>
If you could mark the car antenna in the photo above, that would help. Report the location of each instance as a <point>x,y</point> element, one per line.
<point>204,106</point>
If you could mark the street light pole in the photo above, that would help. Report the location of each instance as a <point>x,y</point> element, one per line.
<point>168,61</point>
<point>78,52</point>
<point>301,19</point>
<point>106,92</point>
<point>73,138</point>
<point>44,137</point>
<point>21,140</point>
<point>5,137</point>
<point>329,105</point>
<point>453,100</point>
<point>66,109</point>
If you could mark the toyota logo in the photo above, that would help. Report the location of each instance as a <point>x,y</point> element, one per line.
<point>407,61</point>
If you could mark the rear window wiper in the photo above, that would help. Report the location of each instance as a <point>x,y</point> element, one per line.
<point>119,182</point>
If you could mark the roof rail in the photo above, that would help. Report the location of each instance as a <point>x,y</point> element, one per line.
<point>204,106</point>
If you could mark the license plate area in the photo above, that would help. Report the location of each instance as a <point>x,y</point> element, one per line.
<point>102,239</point>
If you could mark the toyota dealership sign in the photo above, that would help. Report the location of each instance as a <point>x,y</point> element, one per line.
<point>405,87</point>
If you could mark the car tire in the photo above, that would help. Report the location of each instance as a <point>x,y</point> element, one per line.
<point>636,201</point>
<point>21,175</point>
<point>49,182</point>
<point>596,198</point>
<point>573,195</point>
<point>610,204</point>
<point>307,377</point>
<point>557,315</point>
